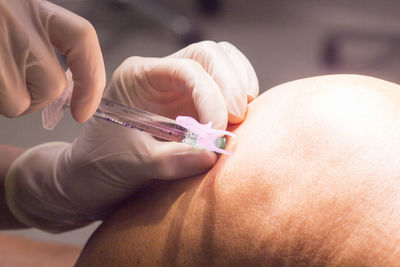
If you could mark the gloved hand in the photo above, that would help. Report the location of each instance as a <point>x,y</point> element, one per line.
<point>59,186</point>
<point>30,74</point>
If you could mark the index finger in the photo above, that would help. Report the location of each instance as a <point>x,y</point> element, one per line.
<point>76,38</point>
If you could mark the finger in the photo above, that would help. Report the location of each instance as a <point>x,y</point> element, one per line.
<point>30,75</point>
<point>76,38</point>
<point>45,78</point>
<point>188,76</point>
<point>174,160</point>
<point>250,83</point>
<point>14,96</point>
<point>215,61</point>
<point>151,158</point>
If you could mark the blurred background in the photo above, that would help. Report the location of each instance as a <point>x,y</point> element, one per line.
<point>284,40</point>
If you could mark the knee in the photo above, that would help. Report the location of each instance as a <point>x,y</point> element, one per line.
<point>337,112</point>
<point>323,128</point>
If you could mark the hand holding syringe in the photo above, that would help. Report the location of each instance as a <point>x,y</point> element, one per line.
<point>184,129</point>
<point>59,186</point>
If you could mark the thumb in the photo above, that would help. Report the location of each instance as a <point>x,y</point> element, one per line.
<point>76,38</point>
<point>174,161</point>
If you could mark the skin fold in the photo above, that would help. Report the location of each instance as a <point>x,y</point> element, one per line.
<point>314,180</point>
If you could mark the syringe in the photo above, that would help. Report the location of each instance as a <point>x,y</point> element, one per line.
<point>157,126</point>
<point>183,130</point>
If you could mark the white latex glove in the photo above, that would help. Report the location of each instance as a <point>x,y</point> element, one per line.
<point>58,186</point>
<point>30,74</point>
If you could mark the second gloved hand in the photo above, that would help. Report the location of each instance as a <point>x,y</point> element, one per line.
<point>59,186</point>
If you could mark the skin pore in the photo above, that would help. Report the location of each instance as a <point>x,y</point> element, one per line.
<point>314,180</point>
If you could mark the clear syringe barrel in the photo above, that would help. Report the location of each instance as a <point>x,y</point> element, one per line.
<point>141,120</point>
<point>183,129</point>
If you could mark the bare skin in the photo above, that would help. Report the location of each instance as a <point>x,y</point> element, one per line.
<point>313,181</point>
